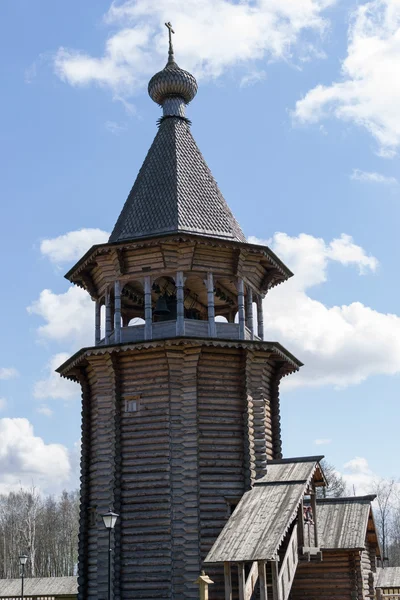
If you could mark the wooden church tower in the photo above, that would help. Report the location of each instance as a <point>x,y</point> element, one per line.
<point>180,393</point>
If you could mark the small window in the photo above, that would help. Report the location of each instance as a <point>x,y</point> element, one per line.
<point>132,404</point>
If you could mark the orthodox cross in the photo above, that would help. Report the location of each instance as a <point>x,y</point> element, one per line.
<point>170,32</point>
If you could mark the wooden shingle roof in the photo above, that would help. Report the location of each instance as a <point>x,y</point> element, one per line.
<point>175,191</point>
<point>389,577</point>
<point>39,586</point>
<point>259,523</point>
<point>343,522</point>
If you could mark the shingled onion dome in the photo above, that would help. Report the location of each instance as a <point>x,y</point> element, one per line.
<point>172,88</point>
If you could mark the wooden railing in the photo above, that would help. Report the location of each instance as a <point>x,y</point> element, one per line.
<point>288,566</point>
<point>251,581</point>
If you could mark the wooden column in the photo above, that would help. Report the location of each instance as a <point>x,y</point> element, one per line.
<point>228,581</point>
<point>212,328</point>
<point>300,525</point>
<point>117,312</point>
<point>242,581</point>
<point>276,592</point>
<point>108,316</point>
<point>97,321</point>
<point>180,308</point>
<point>249,311</point>
<point>314,513</point>
<point>260,318</point>
<point>262,576</point>
<point>242,316</point>
<point>148,313</point>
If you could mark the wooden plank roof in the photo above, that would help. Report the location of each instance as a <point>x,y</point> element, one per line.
<point>293,470</point>
<point>39,586</point>
<point>259,523</point>
<point>389,577</point>
<point>343,523</point>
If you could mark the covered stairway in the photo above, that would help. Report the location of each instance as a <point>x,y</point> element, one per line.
<point>271,529</point>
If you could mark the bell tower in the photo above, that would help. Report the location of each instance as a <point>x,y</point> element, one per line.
<point>180,391</point>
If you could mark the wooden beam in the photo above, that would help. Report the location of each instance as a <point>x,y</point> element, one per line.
<point>276,592</point>
<point>268,279</point>
<point>242,581</point>
<point>228,581</point>
<point>89,284</point>
<point>262,577</point>
<point>118,256</point>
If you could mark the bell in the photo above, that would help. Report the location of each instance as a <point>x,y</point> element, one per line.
<point>161,309</point>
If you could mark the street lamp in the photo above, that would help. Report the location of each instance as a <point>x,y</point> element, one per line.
<point>109,520</point>
<point>22,561</point>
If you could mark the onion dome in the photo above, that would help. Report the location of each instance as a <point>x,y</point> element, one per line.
<point>172,81</point>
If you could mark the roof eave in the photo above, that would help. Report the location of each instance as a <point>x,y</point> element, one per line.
<point>93,251</point>
<point>275,348</point>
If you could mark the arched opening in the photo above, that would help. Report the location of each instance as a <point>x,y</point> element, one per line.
<point>164,299</point>
<point>225,298</point>
<point>136,321</point>
<point>195,299</point>
<point>102,319</point>
<point>221,319</point>
<point>132,302</point>
<point>132,311</point>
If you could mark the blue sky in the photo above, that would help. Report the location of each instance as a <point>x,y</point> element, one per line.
<point>297,115</point>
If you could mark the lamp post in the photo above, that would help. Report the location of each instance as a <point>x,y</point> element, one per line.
<point>109,520</point>
<point>22,561</point>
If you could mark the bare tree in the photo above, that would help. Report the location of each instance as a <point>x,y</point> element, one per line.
<point>384,491</point>
<point>46,528</point>
<point>336,484</point>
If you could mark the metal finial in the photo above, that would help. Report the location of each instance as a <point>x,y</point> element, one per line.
<point>171,49</point>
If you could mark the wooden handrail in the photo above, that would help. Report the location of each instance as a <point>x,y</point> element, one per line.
<point>251,581</point>
<point>288,566</point>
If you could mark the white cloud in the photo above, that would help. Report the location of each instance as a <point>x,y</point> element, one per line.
<point>26,459</point>
<point>69,317</point>
<point>8,373</point>
<point>252,78</point>
<point>114,128</point>
<point>322,442</point>
<point>211,36</point>
<point>3,404</point>
<point>358,476</point>
<point>340,345</point>
<point>54,386</point>
<point>45,410</point>
<point>368,94</point>
<point>368,177</point>
<point>73,245</point>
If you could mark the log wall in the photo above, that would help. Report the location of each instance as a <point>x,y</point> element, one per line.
<point>173,469</point>
<point>337,577</point>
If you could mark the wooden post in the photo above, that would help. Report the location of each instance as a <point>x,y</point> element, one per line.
<point>314,513</point>
<point>300,527</point>
<point>275,581</point>
<point>180,308</point>
<point>260,318</point>
<point>262,576</point>
<point>242,581</point>
<point>148,312</point>
<point>108,316</point>
<point>228,581</point>
<point>249,311</point>
<point>117,312</point>
<point>242,316</point>
<point>97,326</point>
<point>203,582</point>
<point>212,328</point>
